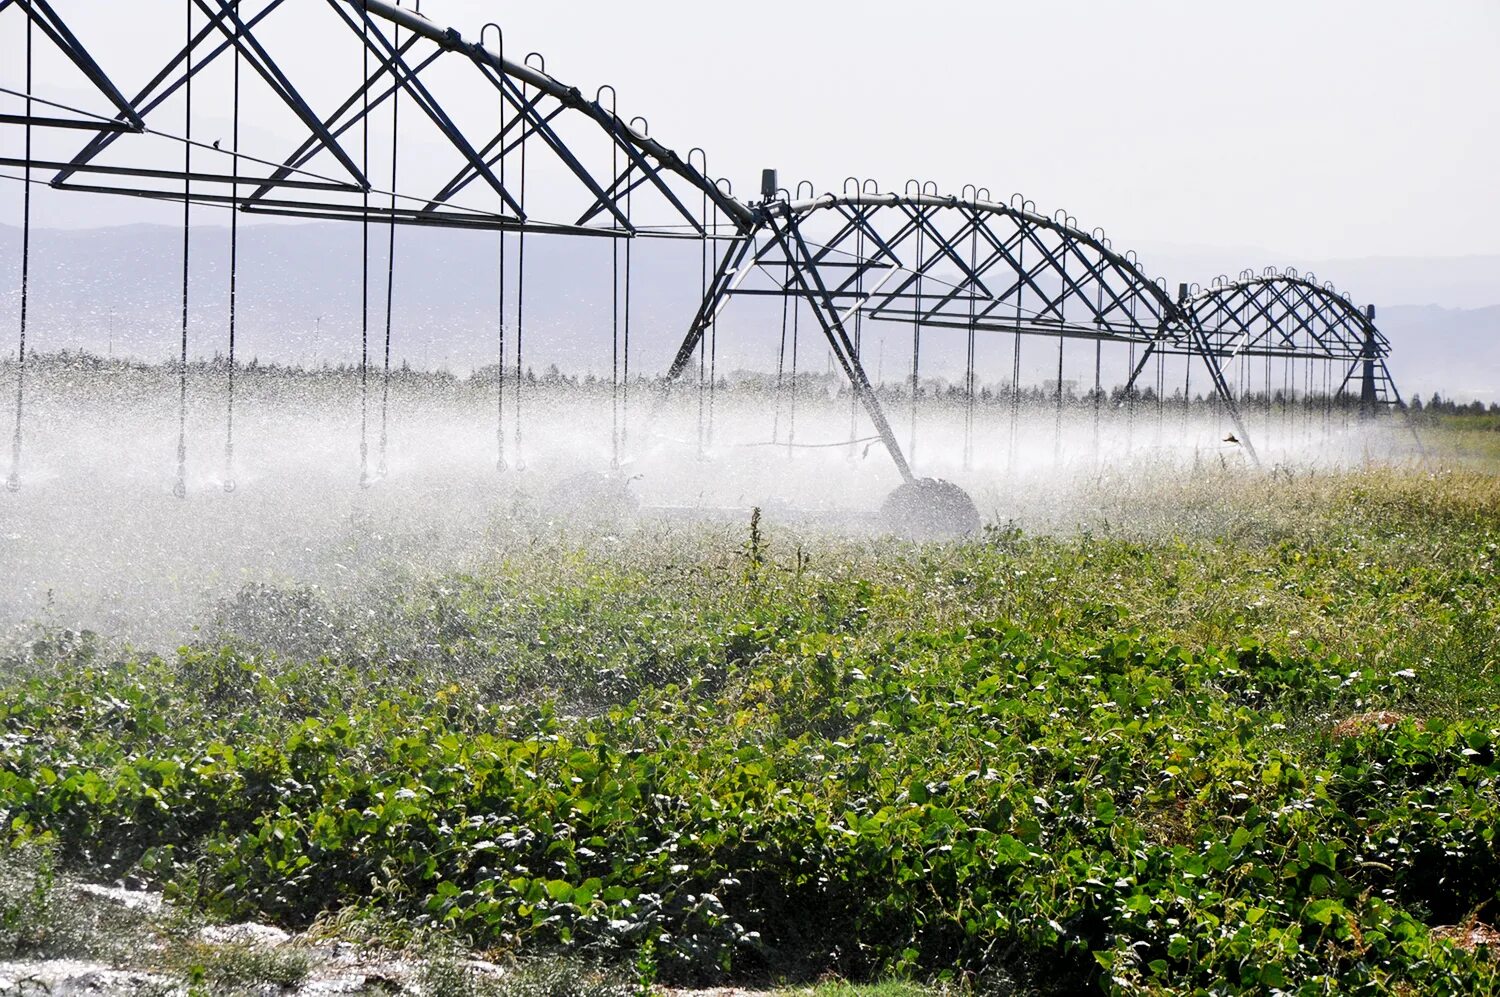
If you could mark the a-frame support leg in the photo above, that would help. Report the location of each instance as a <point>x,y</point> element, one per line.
<point>1201,349</point>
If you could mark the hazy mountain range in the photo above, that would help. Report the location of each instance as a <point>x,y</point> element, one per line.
<point>119,289</point>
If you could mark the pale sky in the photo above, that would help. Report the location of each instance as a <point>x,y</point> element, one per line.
<point>1316,128</point>
<point>1309,129</point>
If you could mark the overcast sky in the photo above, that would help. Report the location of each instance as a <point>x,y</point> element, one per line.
<point>1311,127</point>
<point>1307,128</point>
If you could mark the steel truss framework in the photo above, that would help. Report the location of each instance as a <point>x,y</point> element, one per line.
<point>1292,317</point>
<point>611,165</point>
<point>916,258</point>
<point>45,19</point>
<point>971,263</point>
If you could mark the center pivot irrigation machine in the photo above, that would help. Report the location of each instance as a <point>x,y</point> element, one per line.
<point>401,122</point>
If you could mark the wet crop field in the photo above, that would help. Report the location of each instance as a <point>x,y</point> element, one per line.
<point>1192,729</point>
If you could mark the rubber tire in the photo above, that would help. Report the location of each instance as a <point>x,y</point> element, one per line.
<point>930,509</point>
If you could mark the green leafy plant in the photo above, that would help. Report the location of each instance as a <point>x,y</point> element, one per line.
<point>1101,761</point>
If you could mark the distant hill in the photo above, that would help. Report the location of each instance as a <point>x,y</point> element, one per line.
<point>119,289</point>
<point>123,285</point>
<point>1452,350</point>
<point>1460,282</point>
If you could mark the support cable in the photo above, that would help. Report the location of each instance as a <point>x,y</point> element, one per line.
<point>859,314</point>
<point>713,360</point>
<point>234,262</point>
<point>1098,365</point>
<point>521,287</point>
<point>1129,389</point>
<point>1098,390</point>
<point>1161,388</point>
<point>703,295</point>
<point>1307,397</point>
<point>786,304</point>
<point>1058,403</point>
<point>364,266</point>
<point>1015,389</point>
<point>1061,342</point>
<point>1344,395</point>
<point>625,345</point>
<point>1327,398</point>
<point>614,293</point>
<point>916,342</point>
<point>179,487</point>
<point>1187,394</point>
<point>13,480</point>
<point>817,446</point>
<point>625,350</point>
<point>791,428</point>
<point>1270,409</point>
<point>500,464</point>
<point>713,331</point>
<point>1015,363</point>
<point>1288,391</point>
<point>390,263</point>
<point>969,372</point>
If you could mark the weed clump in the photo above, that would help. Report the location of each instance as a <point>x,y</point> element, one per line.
<point>45,914</point>
<point>1363,723</point>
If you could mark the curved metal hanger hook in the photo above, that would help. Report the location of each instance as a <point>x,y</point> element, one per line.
<point>614,99</point>
<point>499,40</point>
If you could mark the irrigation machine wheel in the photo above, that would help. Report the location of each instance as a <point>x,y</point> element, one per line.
<point>930,509</point>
